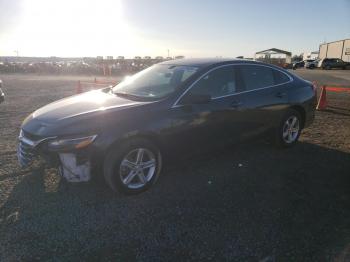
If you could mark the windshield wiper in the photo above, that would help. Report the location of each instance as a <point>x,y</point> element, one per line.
<point>107,89</point>
<point>126,95</point>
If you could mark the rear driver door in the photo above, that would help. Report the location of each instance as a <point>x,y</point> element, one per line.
<point>265,99</point>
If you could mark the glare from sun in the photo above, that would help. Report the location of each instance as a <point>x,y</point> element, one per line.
<point>74,28</point>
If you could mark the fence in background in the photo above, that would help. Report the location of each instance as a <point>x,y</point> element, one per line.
<point>83,86</point>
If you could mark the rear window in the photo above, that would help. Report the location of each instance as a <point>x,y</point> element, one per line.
<point>256,77</point>
<point>280,77</point>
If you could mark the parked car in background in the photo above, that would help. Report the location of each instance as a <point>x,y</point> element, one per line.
<point>311,63</point>
<point>2,95</point>
<point>177,106</point>
<point>330,63</point>
<point>299,64</point>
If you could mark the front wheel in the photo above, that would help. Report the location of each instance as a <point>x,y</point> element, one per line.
<point>133,167</point>
<point>289,130</point>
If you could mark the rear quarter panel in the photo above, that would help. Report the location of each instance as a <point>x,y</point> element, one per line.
<point>301,94</point>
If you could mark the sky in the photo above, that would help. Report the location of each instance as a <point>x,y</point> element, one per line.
<point>193,28</point>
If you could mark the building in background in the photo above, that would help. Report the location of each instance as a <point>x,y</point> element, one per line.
<point>338,49</point>
<point>310,55</point>
<point>274,56</point>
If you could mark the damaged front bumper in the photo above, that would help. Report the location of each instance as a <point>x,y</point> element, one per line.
<point>69,155</point>
<point>72,170</point>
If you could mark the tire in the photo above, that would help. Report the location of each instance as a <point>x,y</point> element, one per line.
<point>281,140</point>
<point>122,170</point>
<point>328,67</point>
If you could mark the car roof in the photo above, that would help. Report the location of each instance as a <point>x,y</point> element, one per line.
<point>205,62</point>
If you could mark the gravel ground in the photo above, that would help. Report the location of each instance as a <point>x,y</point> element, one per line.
<point>247,202</point>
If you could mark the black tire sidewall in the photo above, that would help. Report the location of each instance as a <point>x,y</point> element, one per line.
<point>279,134</point>
<point>115,156</point>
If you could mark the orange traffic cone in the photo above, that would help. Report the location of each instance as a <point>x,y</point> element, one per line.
<point>79,89</point>
<point>322,101</point>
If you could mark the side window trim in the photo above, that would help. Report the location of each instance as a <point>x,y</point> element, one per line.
<point>176,104</point>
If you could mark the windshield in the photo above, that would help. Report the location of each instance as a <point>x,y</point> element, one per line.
<point>154,82</point>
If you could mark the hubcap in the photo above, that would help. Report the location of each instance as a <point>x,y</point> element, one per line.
<point>291,129</point>
<point>137,168</point>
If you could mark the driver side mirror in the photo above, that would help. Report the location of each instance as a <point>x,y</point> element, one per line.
<point>190,99</point>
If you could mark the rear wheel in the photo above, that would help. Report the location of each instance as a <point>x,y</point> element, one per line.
<point>133,167</point>
<point>289,130</point>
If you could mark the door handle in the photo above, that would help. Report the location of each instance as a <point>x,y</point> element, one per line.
<point>236,104</point>
<point>280,94</point>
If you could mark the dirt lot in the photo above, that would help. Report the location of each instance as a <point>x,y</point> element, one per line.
<point>325,77</point>
<point>247,202</point>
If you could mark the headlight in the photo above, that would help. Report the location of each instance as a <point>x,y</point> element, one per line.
<point>30,117</point>
<point>20,134</point>
<point>71,144</point>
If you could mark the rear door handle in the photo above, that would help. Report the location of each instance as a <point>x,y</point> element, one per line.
<point>280,94</point>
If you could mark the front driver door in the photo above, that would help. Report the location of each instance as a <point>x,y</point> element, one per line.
<point>214,123</point>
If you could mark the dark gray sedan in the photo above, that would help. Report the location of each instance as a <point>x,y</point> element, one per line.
<point>172,107</point>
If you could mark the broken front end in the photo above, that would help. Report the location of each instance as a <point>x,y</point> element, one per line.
<point>72,156</point>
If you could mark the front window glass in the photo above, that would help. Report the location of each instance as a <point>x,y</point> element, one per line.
<point>220,82</point>
<point>154,82</point>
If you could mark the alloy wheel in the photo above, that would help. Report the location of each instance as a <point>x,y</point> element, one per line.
<point>137,168</point>
<point>291,129</point>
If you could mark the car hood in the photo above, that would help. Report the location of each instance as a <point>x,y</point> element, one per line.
<point>80,105</point>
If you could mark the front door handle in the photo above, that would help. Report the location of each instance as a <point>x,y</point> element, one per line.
<point>280,94</point>
<point>236,104</point>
